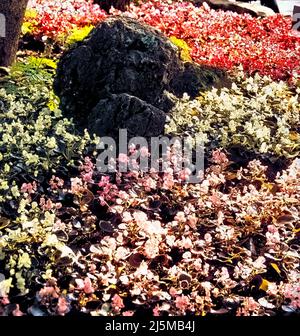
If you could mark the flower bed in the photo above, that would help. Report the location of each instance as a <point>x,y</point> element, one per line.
<point>148,243</point>
<point>56,18</point>
<point>221,39</point>
<point>256,113</point>
<point>35,141</point>
<point>73,240</point>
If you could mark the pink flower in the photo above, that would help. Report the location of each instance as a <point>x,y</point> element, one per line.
<point>272,289</point>
<point>79,283</point>
<point>140,217</point>
<point>259,262</point>
<point>126,217</point>
<point>46,205</point>
<point>225,232</point>
<point>4,300</point>
<point>121,253</point>
<point>168,183</point>
<point>170,240</point>
<point>104,181</point>
<point>168,180</point>
<point>58,206</point>
<point>76,185</point>
<point>272,229</point>
<point>128,313</point>
<point>87,177</point>
<point>180,217</point>
<point>153,228</point>
<point>208,238</point>
<point>29,187</point>
<point>219,157</point>
<point>173,292</point>
<point>59,225</point>
<point>215,200</point>
<point>149,183</point>
<point>251,304</point>
<point>192,221</point>
<point>182,302</point>
<point>123,158</point>
<point>186,243</point>
<point>62,306</point>
<point>151,248</point>
<point>17,311</point>
<point>88,288</point>
<point>273,236</point>
<point>88,165</point>
<point>198,265</point>
<point>56,183</point>
<point>117,303</point>
<point>92,268</point>
<point>110,242</point>
<point>48,291</point>
<point>144,151</point>
<point>142,269</point>
<point>187,255</point>
<point>85,285</point>
<point>123,195</point>
<point>156,311</point>
<point>184,174</point>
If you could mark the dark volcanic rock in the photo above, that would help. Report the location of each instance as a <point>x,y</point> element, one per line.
<point>119,75</point>
<point>195,78</point>
<point>126,112</point>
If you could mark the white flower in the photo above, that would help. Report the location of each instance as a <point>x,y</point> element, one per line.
<point>24,261</point>
<point>5,286</point>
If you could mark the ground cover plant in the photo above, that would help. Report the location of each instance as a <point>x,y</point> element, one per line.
<point>77,241</point>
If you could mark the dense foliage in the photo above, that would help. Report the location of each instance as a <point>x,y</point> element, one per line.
<point>146,241</point>
<point>255,112</point>
<point>74,240</point>
<point>221,39</point>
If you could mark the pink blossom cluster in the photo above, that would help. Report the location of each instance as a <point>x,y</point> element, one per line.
<point>181,248</point>
<point>226,245</point>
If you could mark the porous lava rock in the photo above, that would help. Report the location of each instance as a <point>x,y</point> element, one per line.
<point>120,77</point>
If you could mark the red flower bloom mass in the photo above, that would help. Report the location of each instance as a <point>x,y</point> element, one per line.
<point>216,38</point>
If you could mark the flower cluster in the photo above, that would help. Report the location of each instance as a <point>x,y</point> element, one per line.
<point>217,38</point>
<point>226,39</point>
<point>227,245</point>
<point>73,239</point>
<point>255,113</point>
<point>55,18</point>
<point>35,141</point>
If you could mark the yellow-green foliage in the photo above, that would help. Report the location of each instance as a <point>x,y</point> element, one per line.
<point>29,21</point>
<point>33,70</point>
<point>33,134</point>
<point>36,142</point>
<point>78,34</point>
<point>183,48</point>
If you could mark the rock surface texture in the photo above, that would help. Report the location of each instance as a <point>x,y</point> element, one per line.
<point>121,75</point>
